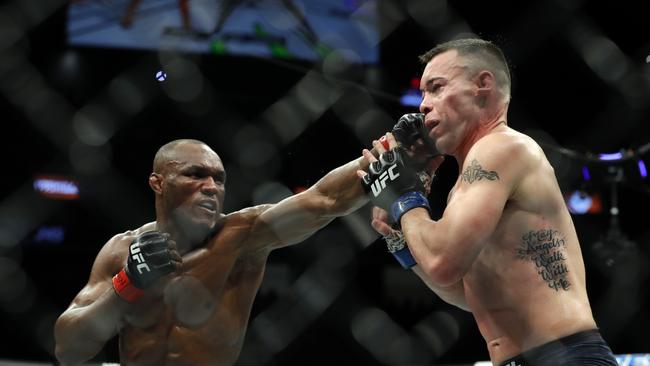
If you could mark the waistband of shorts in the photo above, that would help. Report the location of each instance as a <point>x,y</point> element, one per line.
<point>558,345</point>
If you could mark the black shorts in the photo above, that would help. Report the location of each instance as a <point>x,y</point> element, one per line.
<point>586,348</point>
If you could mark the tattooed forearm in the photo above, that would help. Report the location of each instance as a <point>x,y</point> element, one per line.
<point>475,172</point>
<point>546,249</point>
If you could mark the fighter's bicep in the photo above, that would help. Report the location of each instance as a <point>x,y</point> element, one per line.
<point>475,212</point>
<point>477,204</point>
<point>488,177</point>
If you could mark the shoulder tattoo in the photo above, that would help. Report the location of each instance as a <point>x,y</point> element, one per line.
<point>546,249</point>
<point>475,172</point>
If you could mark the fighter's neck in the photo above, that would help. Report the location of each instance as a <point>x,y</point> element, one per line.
<point>478,133</point>
<point>196,238</point>
<point>184,243</point>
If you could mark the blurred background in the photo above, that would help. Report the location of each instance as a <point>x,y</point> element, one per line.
<point>285,91</point>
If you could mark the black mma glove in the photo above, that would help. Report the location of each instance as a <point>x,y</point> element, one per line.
<point>410,128</point>
<point>149,259</point>
<point>407,131</point>
<point>394,185</point>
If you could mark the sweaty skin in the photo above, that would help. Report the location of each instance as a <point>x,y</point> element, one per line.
<point>197,315</point>
<point>526,286</point>
<point>505,247</point>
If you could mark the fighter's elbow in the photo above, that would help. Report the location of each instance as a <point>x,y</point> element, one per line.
<point>61,355</point>
<point>70,355</point>
<point>444,272</point>
<point>62,350</point>
<point>68,351</point>
<point>65,356</point>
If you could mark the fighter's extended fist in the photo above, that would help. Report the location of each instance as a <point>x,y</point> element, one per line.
<point>151,256</point>
<point>409,129</point>
<point>394,185</point>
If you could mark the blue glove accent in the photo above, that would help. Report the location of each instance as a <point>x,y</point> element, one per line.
<point>406,202</point>
<point>405,258</point>
<point>397,246</point>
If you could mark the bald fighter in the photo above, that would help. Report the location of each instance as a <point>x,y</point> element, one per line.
<point>505,247</point>
<point>179,290</point>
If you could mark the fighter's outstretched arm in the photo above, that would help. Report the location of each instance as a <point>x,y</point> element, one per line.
<point>94,316</point>
<point>295,218</point>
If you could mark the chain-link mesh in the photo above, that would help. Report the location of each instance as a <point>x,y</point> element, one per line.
<point>581,80</point>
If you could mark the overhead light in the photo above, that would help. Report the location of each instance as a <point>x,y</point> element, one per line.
<point>50,234</point>
<point>612,156</point>
<point>55,187</point>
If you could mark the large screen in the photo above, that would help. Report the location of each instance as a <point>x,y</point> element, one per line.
<point>301,29</point>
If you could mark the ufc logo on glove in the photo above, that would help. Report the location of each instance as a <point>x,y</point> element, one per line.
<point>396,196</point>
<point>395,184</point>
<point>379,184</point>
<point>137,256</point>
<point>149,259</point>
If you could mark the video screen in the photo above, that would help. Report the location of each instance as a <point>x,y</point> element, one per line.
<point>289,29</point>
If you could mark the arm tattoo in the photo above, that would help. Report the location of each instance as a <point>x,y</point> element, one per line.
<point>545,248</point>
<point>475,172</point>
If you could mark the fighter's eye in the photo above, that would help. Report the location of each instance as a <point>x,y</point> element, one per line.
<point>194,174</point>
<point>432,89</point>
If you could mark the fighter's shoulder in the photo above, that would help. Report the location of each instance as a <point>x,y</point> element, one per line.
<point>246,216</point>
<point>249,212</point>
<point>126,237</point>
<point>509,147</point>
<point>116,247</point>
<point>241,226</point>
<point>113,253</point>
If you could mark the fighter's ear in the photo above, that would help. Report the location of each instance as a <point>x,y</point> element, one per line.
<point>156,182</point>
<point>485,84</point>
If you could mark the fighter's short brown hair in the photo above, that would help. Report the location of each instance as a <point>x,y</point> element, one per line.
<point>482,55</point>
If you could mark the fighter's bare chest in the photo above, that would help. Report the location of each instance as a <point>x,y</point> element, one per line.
<point>191,296</point>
